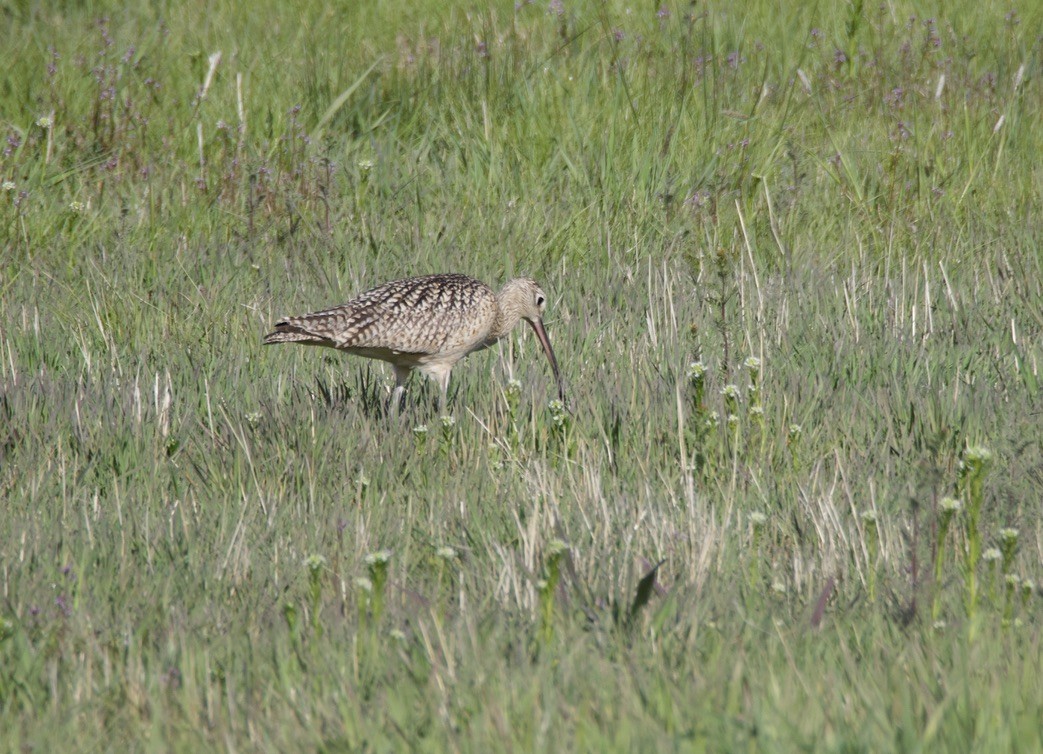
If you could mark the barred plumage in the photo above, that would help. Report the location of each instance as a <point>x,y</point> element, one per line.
<point>427,323</point>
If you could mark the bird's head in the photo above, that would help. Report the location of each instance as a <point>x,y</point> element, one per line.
<point>522,298</point>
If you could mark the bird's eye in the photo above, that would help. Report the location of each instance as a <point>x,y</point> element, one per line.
<point>539,301</point>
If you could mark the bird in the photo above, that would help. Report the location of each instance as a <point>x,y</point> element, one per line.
<point>427,323</point>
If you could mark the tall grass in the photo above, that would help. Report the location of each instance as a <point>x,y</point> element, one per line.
<point>207,544</point>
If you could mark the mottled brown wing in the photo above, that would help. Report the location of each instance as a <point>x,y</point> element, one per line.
<point>416,315</point>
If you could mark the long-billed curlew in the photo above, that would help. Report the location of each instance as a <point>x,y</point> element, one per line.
<point>427,323</point>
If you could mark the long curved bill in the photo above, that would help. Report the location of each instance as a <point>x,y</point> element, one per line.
<point>537,325</point>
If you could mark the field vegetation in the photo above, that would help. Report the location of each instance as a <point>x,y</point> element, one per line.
<point>793,258</point>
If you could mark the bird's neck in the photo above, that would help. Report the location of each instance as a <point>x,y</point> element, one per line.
<point>507,318</point>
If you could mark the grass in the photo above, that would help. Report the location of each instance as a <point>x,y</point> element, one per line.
<point>207,544</point>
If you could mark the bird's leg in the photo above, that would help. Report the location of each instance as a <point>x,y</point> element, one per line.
<point>398,395</point>
<point>443,384</point>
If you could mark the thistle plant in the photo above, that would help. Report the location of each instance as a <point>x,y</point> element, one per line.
<point>1028,586</point>
<point>973,468</point>
<point>793,435</point>
<point>548,585</point>
<point>361,485</point>
<point>731,410</point>
<point>990,557</point>
<point>315,565</point>
<point>753,390</point>
<point>377,564</point>
<point>696,375</point>
<point>948,508</point>
<point>755,409</point>
<point>869,520</point>
<point>420,433</point>
<point>560,425</point>
<point>1012,584</point>
<point>512,394</point>
<point>757,523</point>
<point>448,425</point>
<point>365,588</point>
<point>1008,549</point>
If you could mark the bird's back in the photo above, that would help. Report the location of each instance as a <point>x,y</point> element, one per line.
<point>434,314</point>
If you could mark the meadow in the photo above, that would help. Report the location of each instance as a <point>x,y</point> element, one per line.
<point>793,258</point>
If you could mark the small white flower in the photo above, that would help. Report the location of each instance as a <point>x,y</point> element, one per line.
<point>733,421</point>
<point>1012,579</point>
<point>757,411</point>
<point>556,407</point>
<point>380,557</point>
<point>45,122</point>
<point>315,562</point>
<point>731,392</point>
<point>991,554</point>
<point>77,207</point>
<point>869,517</point>
<point>420,430</point>
<point>795,431</point>
<point>365,165</point>
<point>950,505</point>
<point>778,587</point>
<point>1009,535</point>
<point>977,455</point>
<point>758,519</point>
<point>363,584</point>
<point>557,546</point>
<point>448,422</point>
<point>752,363</point>
<point>8,186</point>
<point>696,370</point>
<point>446,553</point>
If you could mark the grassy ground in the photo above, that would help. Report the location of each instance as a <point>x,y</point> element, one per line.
<point>831,207</point>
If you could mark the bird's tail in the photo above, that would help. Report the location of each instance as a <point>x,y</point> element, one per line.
<point>286,332</point>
